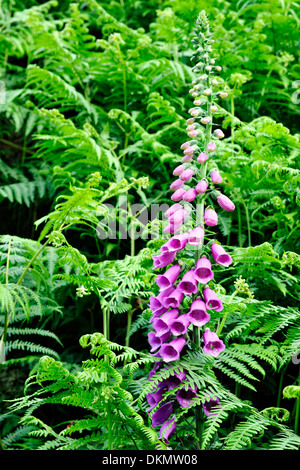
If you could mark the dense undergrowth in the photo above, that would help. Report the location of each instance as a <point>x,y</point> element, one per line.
<point>94,99</point>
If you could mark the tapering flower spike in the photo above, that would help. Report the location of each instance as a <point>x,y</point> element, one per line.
<point>203,271</point>
<point>171,351</point>
<point>212,344</point>
<point>220,256</point>
<point>166,280</point>
<point>198,315</point>
<point>211,300</point>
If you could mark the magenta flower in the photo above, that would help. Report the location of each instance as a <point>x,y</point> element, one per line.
<point>176,243</point>
<point>162,414</point>
<point>210,217</point>
<point>164,259</point>
<point>220,256</point>
<point>173,299</point>
<point>166,280</point>
<point>203,271</point>
<point>162,325</point>
<point>208,406</point>
<point>186,174</point>
<point>156,341</point>
<point>167,429</point>
<point>178,195</point>
<point>198,315</point>
<point>225,202</point>
<point>212,344</point>
<point>156,302</point>
<point>186,397</point>
<point>189,150</point>
<point>196,236</point>
<point>219,134</point>
<point>153,399</point>
<point>171,351</point>
<point>179,325</point>
<point>202,186</point>
<point>211,300</point>
<point>188,284</point>
<point>216,177</point>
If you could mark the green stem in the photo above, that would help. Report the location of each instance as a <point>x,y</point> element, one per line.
<point>297,415</point>
<point>232,113</point>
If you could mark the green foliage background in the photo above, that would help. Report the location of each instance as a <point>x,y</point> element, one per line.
<point>96,99</point>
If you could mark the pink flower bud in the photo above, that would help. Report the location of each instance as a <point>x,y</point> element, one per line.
<point>190,195</point>
<point>223,94</point>
<point>193,133</point>
<point>225,203</point>
<point>205,120</point>
<point>178,216</point>
<point>202,186</point>
<point>178,195</point>
<point>211,147</point>
<point>214,108</point>
<point>185,145</point>
<point>186,174</point>
<point>207,92</point>
<point>210,217</point>
<point>189,151</point>
<point>172,228</point>
<point>216,177</point>
<point>187,159</point>
<point>190,121</point>
<point>218,68</point>
<point>199,102</point>
<point>219,134</point>
<point>215,82</point>
<point>176,185</point>
<point>178,170</point>
<point>194,112</point>
<point>191,127</point>
<point>202,157</point>
<point>172,209</point>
